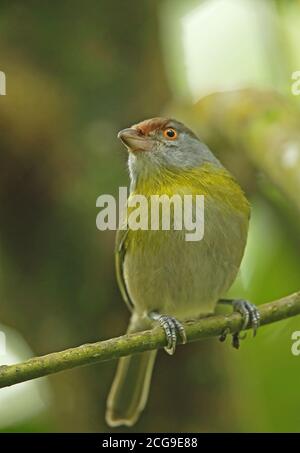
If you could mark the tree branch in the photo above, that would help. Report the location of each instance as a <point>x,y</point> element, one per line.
<point>143,341</point>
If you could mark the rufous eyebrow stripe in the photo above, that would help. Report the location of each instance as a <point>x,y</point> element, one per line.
<point>144,127</point>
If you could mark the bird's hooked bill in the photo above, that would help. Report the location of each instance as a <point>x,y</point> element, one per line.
<point>134,140</point>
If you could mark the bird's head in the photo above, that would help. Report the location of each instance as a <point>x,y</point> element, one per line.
<point>161,143</point>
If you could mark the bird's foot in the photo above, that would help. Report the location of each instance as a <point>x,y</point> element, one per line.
<point>172,328</point>
<point>249,312</point>
<point>251,317</point>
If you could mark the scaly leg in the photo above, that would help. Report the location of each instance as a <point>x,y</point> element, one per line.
<point>172,327</point>
<point>250,316</point>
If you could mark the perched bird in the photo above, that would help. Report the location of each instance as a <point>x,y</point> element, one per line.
<point>164,278</point>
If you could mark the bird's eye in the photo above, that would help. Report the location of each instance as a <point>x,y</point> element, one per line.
<point>170,133</point>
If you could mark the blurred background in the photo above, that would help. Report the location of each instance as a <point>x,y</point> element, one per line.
<point>76,73</point>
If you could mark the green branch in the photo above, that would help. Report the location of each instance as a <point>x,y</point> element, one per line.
<point>143,341</point>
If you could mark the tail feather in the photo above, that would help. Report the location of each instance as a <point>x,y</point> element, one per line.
<point>129,392</point>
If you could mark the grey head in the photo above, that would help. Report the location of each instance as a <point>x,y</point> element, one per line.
<point>162,143</point>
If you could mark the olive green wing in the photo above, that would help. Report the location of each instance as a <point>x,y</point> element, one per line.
<point>120,253</point>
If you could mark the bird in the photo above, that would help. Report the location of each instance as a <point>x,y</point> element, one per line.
<point>163,278</point>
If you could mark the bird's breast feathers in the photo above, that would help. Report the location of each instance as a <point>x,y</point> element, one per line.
<point>188,276</point>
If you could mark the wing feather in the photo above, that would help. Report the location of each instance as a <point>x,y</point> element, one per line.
<point>120,253</point>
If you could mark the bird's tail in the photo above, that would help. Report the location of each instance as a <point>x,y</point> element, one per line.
<point>129,391</point>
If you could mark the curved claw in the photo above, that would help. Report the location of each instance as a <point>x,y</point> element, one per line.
<point>250,314</point>
<point>224,334</point>
<point>172,327</point>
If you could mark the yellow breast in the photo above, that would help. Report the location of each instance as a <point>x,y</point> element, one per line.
<point>164,271</point>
